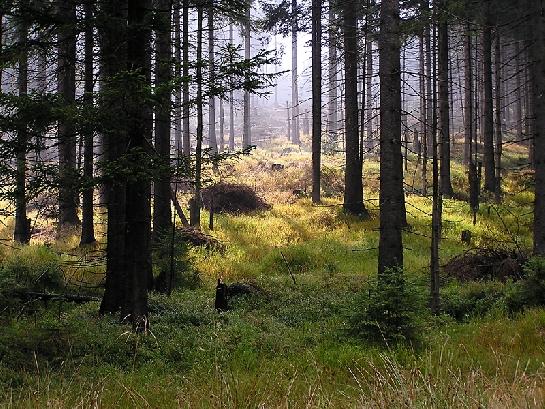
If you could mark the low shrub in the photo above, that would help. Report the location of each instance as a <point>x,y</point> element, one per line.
<point>391,309</point>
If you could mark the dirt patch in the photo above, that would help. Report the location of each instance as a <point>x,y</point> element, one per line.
<point>233,198</point>
<point>486,264</point>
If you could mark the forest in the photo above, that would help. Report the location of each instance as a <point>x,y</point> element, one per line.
<point>272,203</point>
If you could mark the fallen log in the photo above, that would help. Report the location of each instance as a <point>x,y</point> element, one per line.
<point>36,295</point>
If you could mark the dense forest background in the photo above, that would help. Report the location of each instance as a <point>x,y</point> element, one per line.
<point>186,222</point>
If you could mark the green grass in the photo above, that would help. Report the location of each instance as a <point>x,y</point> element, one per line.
<point>293,346</point>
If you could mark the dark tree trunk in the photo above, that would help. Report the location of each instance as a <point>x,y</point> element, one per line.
<point>423,115</point>
<point>21,232</point>
<point>138,213</point>
<point>294,76</point>
<point>246,134</point>
<point>186,142</point>
<point>353,186</point>
<point>112,31</point>
<point>316,98</point>
<point>332,75</point>
<point>443,77</point>
<point>369,94</point>
<point>518,91</point>
<point>66,86</point>
<point>212,140</point>
<point>177,74</point>
<point>468,97</point>
<point>195,215</point>
<point>162,214</point>
<point>498,96</point>
<point>87,224</point>
<point>537,73</point>
<point>231,107</point>
<point>488,123</point>
<point>391,170</point>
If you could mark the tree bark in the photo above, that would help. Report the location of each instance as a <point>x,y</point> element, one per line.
<point>498,97</point>
<point>468,96</point>
<point>316,98</point>
<point>177,74</point>
<point>212,140</point>
<point>353,186</point>
<point>231,103</point>
<point>247,131</point>
<point>87,223</point>
<point>294,75</point>
<point>66,87</point>
<point>162,213</point>
<point>112,31</point>
<point>186,137</point>
<point>444,112</point>
<point>537,74</point>
<point>488,123</point>
<point>21,232</point>
<point>391,170</point>
<point>332,75</point>
<point>138,202</point>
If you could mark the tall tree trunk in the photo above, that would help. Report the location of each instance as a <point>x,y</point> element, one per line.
<point>423,115</point>
<point>66,86</point>
<point>488,129</point>
<point>177,74</point>
<point>518,92</point>
<point>221,142</point>
<point>537,74</point>
<point>21,232</point>
<point>370,144</point>
<point>246,134</point>
<point>443,77</point>
<point>332,75</point>
<point>294,75</point>
<point>316,98</point>
<point>437,182</point>
<point>428,57</point>
<point>112,31</point>
<point>499,110</point>
<point>391,170</point>
<point>213,143</point>
<point>231,105</point>
<point>195,216</point>
<point>186,140</point>
<point>162,213</point>
<point>353,186</point>
<point>468,96</point>
<point>138,187</point>
<point>87,225</point>
<point>289,119</point>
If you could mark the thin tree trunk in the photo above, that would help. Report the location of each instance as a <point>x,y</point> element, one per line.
<point>231,103</point>
<point>468,96</point>
<point>443,66</point>
<point>294,76</point>
<point>186,136</point>
<point>537,74</point>
<point>369,94</point>
<point>21,232</point>
<point>499,137</point>
<point>316,98</point>
<point>391,170</point>
<point>353,187</point>
<point>488,129</point>
<point>246,134</point>
<point>162,213</point>
<point>195,216</point>
<point>177,74</point>
<point>213,143</point>
<point>518,85</point>
<point>423,116</point>
<point>66,86</point>
<point>332,75</point>
<point>87,211</point>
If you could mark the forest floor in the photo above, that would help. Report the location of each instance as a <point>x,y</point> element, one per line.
<point>291,345</point>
